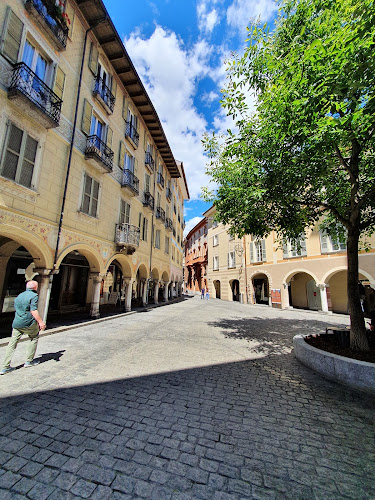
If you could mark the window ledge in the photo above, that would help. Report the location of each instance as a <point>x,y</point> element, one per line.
<point>14,189</point>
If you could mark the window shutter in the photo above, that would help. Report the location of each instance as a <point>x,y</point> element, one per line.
<point>59,82</point>
<point>234,259</point>
<point>71,15</point>
<point>285,250</point>
<point>124,108</point>
<point>114,87</point>
<point>29,156</point>
<point>251,252</point>
<point>136,167</point>
<point>228,259</point>
<point>12,36</point>
<point>109,137</point>
<point>323,243</point>
<point>140,220</point>
<point>86,117</point>
<point>10,164</point>
<point>121,156</point>
<point>86,194</point>
<point>93,58</point>
<point>264,257</point>
<point>95,198</point>
<point>127,213</point>
<point>303,247</point>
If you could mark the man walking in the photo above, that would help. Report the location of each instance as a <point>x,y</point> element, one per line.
<point>27,321</point>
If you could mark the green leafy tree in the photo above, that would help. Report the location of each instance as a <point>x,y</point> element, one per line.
<point>306,154</point>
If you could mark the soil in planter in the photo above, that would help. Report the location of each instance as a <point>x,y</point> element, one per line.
<point>330,343</point>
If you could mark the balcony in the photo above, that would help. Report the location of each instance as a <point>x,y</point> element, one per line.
<point>168,224</point>
<point>149,161</point>
<point>168,194</point>
<point>130,182</point>
<point>160,180</point>
<point>104,95</point>
<point>148,201</point>
<point>160,214</point>
<point>42,102</point>
<point>48,16</point>
<point>132,134</point>
<point>98,151</point>
<point>127,236</point>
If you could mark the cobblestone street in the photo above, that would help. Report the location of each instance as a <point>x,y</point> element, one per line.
<point>194,400</point>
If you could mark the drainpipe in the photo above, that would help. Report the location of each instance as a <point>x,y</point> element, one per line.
<point>72,143</point>
<point>152,228</point>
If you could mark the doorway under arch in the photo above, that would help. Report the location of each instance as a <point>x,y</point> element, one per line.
<point>261,289</point>
<point>235,286</point>
<point>217,289</point>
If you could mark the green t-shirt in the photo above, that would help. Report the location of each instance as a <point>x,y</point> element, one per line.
<point>25,302</point>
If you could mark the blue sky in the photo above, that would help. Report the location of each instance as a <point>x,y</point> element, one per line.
<point>179,48</point>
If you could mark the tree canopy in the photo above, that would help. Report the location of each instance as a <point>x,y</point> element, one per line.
<point>307,152</point>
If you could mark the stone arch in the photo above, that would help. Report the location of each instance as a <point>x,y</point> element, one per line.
<point>301,290</point>
<point>142,270</point>
<point>38,249</point>
<point>290,275</point>
<point>122,259</point>
<point>155,273</point>
<point>91,255</point>
<point>165,276</point>
<point>338,269</point>
<point>251,289</point>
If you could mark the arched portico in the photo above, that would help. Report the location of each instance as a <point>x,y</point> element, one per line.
<point>301,290</point>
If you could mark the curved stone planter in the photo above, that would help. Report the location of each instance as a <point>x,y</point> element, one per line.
<point>351,372</point>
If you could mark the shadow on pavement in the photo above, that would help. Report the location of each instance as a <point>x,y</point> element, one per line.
<point>51,356</point>
<point>272,335</point>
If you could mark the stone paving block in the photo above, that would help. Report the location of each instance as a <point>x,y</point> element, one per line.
<point>24,485</point>
<point>40,491</point>
<point>46,475</point>
<point>8,479</point>
<point>123,483</point>
<point>31,469</point>
<point>143,489</point>
<point>83,488</point>
<point>15,463</point>
<point>65,480</point>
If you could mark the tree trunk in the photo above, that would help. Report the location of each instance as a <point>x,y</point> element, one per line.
<point>358,338</point>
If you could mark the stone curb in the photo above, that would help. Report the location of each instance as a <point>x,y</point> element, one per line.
<point>359,375</point>
<point>4,342</point>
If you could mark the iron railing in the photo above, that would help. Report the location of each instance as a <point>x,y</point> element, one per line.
<point>127,234</point>
<point>104,92</point>
<point>96,148</point>
<point>168,194</point>
<point>168,224</point>
<point>148,200</point>
<point>160,179</point>
<point>26,82</point>
<point>131,132</point>
<point>47,10</point>
<point>160,213</point>
<point>149,160</point>
<point>130,180</point>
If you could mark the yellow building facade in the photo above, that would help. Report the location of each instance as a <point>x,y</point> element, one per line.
<point>309,276</point>
<point>91,197</point>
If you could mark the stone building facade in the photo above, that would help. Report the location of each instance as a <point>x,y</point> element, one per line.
<point>91,197</point>
<point>196,258</point>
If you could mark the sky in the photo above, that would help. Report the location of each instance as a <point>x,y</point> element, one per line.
<point>179,49</point>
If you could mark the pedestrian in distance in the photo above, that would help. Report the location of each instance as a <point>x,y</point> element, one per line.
<point>202,293</point>
<point>207,294</point>
<point>27,321</point>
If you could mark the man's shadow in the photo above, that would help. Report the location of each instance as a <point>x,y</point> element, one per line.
<point>51,355</point>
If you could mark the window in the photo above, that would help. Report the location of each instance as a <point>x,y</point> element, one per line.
<point>19,156</point>
<point>35,61</point>
<point>147,183</point>
<point>124,212</point>
<point>294,248</point>
<point>231,259</point>
<point>97,127</point>
<point>158,200</point>
<point>90,196</point>
<point>144,229</point>
<point>157,238</point>
<point>167,244</point>
<point>129,162</point>
<point>173,253</point>
<point>167,211</point>
<point>215,262</point>
<point>258,251</point>
<point>331,243</point>
<point>215,240</point>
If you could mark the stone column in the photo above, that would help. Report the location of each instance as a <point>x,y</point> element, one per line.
<point>3,269</point>
<point>323,296</point>
<point>97,280</point>
<point>166,287</point>
<point>156,292</point>
<point>44,279</point>
<point>128,294</point>
<point>144,292</point>
<point>285,298</point>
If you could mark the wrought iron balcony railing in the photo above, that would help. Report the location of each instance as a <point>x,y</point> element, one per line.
<point>130,180</point>
<point>104,92</point>
<point>179,218</point>
<point>168,194</point>
<point>160,213</point>
<point>131,132</point>
<point>160,180</point>
<point>149,161</point>
<point>168,224</point>
<point>148,200</point>
<point>96,148</point>
<point>127,234</point>
<point>47,12</point>
<point>26,82</point>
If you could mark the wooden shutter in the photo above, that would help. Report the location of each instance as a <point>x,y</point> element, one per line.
<point>264,256</point>
<point>27,168</point>
<point>114,87</point>
<point>12,36</point>
<point>285,250</point>
<point>124,108</point>
<point>59,82</point>
<point>252,251</point>
<point>93,58</point>
<point>303,246</point>
<point>109,137</point>
<point>94,199</point>
<point>136,167</point>
<point>13,149</point>
<point>71,15</point>
<point>323,242</point>
<point>121,158</point>
<point>86,117</point>
<point>86,194</point>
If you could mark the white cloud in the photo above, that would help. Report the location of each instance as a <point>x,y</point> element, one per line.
<point>241,12</point>
<point>170,73</point>
<point>209,97</point>
<point>207,19</point>
<point>191,223</point>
